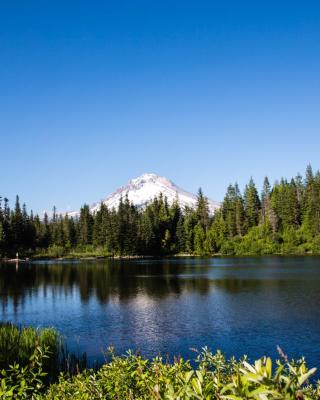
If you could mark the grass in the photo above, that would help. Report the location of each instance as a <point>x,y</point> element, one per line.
<point>18,344</point>
<point>79,252</point>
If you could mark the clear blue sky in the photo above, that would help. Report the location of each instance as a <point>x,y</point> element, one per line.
<point>203,92</point>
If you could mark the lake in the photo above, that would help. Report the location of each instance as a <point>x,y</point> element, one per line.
<point>168,306</point>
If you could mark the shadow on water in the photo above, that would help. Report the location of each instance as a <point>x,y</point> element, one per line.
<point>102,280</point>
<point>125,279</point>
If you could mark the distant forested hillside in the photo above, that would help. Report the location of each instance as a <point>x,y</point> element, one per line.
<point>283,219</point>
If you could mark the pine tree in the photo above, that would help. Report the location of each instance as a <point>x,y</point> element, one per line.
<point>252,204</point>
<point>111,227</point>
<point>265,200</point>
<point>45,238</point>
<point>180,236</point>
<point>99,232</point>
<point>7,236</point>
<point>175,215</point>
<point>300,189</point>
<point>202,210</point>
<point>309,176</point>
<point>311,203</point>
<point>218,232</point>
<point>229,211</point>
<point>130,227</point>
<point>17,227</point>
<point>284,202</point>
<point>190,221</point>
<point>85,226</point>
<point>240,218</point>
<point>199,239</point>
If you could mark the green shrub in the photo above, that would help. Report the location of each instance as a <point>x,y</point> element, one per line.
<point>315,246</point>
<point>24,382</point>
<point>134,377</point>
<point>55,251</point>
<point>26,375</point>
<point>228,247</point>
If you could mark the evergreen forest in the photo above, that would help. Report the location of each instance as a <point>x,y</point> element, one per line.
<point>283,219</point>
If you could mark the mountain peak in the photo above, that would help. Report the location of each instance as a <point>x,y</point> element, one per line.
<point>143,189</point>
<point>150,178</point>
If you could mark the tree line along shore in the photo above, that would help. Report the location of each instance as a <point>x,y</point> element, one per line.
<point>283,219</point>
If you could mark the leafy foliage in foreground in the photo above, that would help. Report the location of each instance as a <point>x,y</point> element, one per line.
<point>134,377</point>
<point>25,382</point>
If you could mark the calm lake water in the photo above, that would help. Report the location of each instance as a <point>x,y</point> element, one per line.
<point>239,305</point>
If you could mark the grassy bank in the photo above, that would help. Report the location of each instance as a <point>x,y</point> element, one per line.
<point>54,252</point>
<point>258,241</point>
<point>18,345</point>
<point>80,252</point>
<point>28,356</point>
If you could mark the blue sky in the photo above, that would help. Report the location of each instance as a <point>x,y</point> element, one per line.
<point>205,93</point>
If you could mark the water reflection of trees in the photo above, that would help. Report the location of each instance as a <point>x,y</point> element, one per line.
<point>120,280</point>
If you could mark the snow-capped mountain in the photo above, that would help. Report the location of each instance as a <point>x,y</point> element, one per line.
<point>145,188</point>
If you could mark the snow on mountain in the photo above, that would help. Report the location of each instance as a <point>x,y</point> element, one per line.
<point>145,188</point>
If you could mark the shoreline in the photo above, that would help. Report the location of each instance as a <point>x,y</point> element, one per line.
<point>144,257</point>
